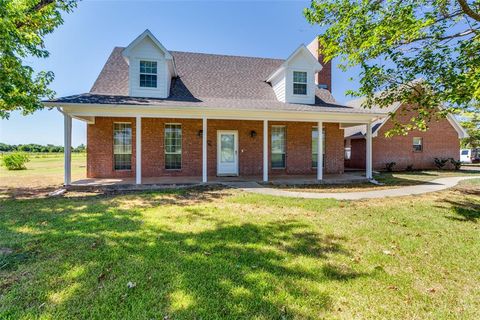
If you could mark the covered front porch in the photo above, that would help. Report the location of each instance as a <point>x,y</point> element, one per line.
<point>151,182</point>
<point>255,149</point>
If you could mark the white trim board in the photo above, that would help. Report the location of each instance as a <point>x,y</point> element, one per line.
<point>82,111</point>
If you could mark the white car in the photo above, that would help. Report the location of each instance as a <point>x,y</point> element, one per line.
<point>466,155</point>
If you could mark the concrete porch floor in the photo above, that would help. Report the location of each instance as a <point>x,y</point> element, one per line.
<point>149,182</point>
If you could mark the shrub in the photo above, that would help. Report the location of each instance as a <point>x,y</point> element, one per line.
<point>409,167</point>
<point>456,163</point>
<point>440,162</point>
<point>389,166</point>
<point>15,161</point>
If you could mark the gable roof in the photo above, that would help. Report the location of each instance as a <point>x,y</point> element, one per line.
<point>143,35</point>
<point>204,80</point>
<point>301,49</point>
<point>359,132</point>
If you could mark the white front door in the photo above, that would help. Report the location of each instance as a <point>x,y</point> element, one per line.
<point>227,153</point>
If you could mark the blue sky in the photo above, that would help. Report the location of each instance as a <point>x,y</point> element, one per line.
<point>80,47</point>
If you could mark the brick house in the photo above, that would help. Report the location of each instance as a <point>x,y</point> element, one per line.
<point>159,113</point>
<point>417,149</point>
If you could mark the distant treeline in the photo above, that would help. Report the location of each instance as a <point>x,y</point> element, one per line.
<point>32,147</point>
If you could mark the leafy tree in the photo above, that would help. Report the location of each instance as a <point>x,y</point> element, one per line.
<point>424,53</point>
<point>472,125</point>
<point>80,148</point>
<point>23,26</point>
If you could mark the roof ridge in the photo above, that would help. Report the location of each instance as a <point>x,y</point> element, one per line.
<point>215,54</point>
<point>227,55</point>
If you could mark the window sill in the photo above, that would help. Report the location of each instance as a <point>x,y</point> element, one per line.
<point>148,88</point>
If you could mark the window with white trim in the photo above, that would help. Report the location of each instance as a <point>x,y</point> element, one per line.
<point>173,146</point>
<point>278,147</point>
<point>299,82</point>
<point>417,144</point>
<point>122,146</point>
<point>315,146</point>
<point>148,74</point>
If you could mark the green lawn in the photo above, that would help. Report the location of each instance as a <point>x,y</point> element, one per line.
<point>224,254</point>
<point>43,171</point>
<point>388,179</point>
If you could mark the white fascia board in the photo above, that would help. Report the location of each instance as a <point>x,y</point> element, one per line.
<point>275,73</point>
<point>82,110</point>
<point>386,118</point>
<point>147,33</point>
<point>462,133</point>
<point>302,48</point>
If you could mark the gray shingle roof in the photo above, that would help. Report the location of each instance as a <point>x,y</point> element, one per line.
<point>361,130</point>
<point>204,80</point>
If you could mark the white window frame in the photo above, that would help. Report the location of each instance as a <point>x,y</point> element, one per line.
<point>165,146</point>
<point>140,73</point>
<point>128,146</point>
<point>414,145</point>
<point>284,146</point>
<point>315,144</point>
<point>303,83</point>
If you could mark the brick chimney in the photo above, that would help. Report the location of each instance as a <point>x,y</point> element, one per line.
<point>324,78</point>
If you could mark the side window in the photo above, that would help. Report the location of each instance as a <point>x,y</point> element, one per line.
<point>417,144</point>
<point>315,146</point>
<point>173,146</point>
<point>278,147</point>
<point>122,146</point>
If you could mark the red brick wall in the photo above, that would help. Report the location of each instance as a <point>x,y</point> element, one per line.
<point>250,159</point>
<point>440,140</point>
<point>100,149</point>
<point>298,147</point>
<point>153,153</point>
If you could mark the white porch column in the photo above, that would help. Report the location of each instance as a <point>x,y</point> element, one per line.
<point>67,149</point>
<point>320,151</point>
<point>368,164</point>
<point>204,151</point>
<point>138,151</point>
<point>265,150</point>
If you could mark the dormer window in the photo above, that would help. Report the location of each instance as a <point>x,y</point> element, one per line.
<point>299,82</point>
<point>148,74</point>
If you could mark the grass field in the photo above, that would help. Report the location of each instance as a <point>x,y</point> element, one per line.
<point>210,253</point>
<point>389,180</point>
<point>43,171</point>
<point>223,254</point>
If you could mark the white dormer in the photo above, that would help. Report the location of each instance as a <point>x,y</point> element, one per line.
<point>294,80</point>
<point>151,67</point>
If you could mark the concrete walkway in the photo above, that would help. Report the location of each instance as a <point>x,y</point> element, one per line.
<point>431,186</point>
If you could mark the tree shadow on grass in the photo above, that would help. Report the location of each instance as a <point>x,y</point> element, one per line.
<point>465,210</point>
<point>85,251</point>
<point>464,203</point>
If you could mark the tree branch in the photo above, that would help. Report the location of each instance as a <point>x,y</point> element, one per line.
<point>39,6</point>
<point>449,37</point>
<point>468,11</point>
